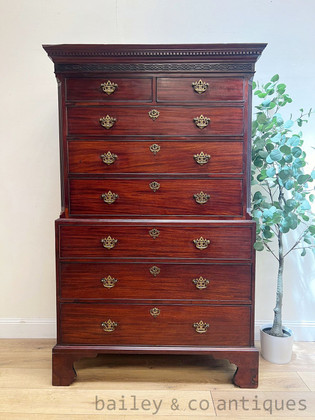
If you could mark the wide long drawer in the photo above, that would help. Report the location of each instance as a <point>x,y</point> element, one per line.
<point>155,325</point>
<point>106,157</point>
<point>98,197</point>
<point>155,280</point>
<point>140,240</point>
<point>171,121</point>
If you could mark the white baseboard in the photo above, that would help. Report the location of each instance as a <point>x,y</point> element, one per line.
<point>303,330</point>
<point>27,328</point>
<point>46,328</point>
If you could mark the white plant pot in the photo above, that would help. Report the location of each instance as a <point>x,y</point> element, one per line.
<point>276,349</point>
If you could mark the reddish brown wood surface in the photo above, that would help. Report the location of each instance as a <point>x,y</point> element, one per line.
<point>134,241</point>
<point>173,157</point>
<point>175,121</point>
<point>173,282</point>
<point>174,196</point>
<point>89,89</point>
<point>173,326</point>
<point>175,89</point>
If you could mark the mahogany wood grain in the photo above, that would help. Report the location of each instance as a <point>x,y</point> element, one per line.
<point>227,282</point>
<point>180,89</point>
<point>173,157</point>
<point>89,89</point>
<point>136,326</point>
<point>174,197</point>
<point>174,121</point>
<point>174,241</point>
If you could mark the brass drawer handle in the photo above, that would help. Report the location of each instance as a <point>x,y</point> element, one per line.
<point>201,198</point>
<point>154,186</point>
<point>200,86</point>
<point>107,122</point>
<point>201,283</point>
<point>109,197</point>
<point>109,242</point>
<point>154,233</point>
<point>155,271</point>
<point>108,158</point>
<point>154,114</point>
<point>155,148</point>
<point>202,158</point>
<point>109,282</point>
<point>155,312</point>
<point>201,122</point>
<point>109,325</point>
<point>201,327</point>
<point>201,243</point>
<point>109,87</point>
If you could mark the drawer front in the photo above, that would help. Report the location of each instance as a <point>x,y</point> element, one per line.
<point>199,89</point>
<point>172,121</point>
<point>156,280</point>
<point>156,241</point>
<point>175,324</point>
<point>109,89</point>
<point>106,157</point>
<point>98,197</point>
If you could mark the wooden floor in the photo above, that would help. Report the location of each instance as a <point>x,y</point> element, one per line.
<point>143,387</point>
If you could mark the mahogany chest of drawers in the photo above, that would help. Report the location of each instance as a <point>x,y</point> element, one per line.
<point>154,245</point>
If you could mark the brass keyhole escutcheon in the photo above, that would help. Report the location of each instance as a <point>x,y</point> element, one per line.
<point>154,186</point>
<point>155,148</point>
<point>154,233</point>
<point>154,114</point>
<point>155,271</point>
<point>155,312</point>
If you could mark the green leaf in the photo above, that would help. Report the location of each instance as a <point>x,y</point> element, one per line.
<point>276,139</point>
<point>271,172</point>
<point>275,155</point>
<point>302,179</point>
<point>288,124</point>
<point>294,141</point>
<point>257,196</point>
<point>296,151</point>
<point>285,149</point>
<point>289,184</point>
<point>254,85</point>
<point>259,246</point>
<point>305,205</point>
<point>312,229</point>
<point>275,78</point>
<point>261,118</point>
<point>281,88</point>
<point>303,253</point>
<point>269,147</point>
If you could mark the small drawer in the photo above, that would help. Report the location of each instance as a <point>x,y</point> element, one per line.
<point>199,89</point>
<point>106,157</point>
<point>155,280</point>
<point>139,240</point>
<point>113,324</point>
<point>109,89</point>
<point>99,197</point>
<point>155,120</point>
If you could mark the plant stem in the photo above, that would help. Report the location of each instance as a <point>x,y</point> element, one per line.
<point>276,329</point>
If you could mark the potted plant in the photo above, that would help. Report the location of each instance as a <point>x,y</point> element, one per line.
<point>281,198</point>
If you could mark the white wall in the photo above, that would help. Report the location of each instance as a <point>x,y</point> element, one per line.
<point>29,129</point>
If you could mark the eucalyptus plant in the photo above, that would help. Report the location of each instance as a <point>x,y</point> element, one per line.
<point>282,191</point>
